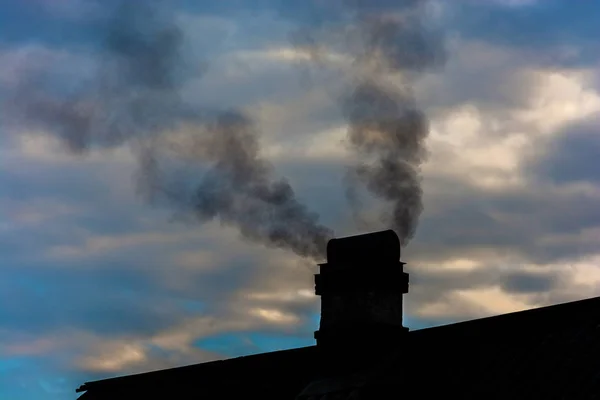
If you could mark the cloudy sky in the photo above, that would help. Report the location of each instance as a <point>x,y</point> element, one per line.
<point>103,277</point>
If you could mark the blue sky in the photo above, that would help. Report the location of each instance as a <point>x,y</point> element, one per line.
<point>99,282</point>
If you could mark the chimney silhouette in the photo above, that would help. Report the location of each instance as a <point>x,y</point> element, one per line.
<point>361,288</point>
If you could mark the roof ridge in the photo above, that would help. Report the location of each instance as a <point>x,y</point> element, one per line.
<point>531,317</point>
<point>226,362</point>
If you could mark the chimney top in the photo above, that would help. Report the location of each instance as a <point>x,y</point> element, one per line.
<point>380,248</point>
<point>361,288</point>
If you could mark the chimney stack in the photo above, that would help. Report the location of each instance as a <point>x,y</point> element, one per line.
<point>361,288</point>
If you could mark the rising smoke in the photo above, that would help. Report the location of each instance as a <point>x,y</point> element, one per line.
<point>383,124</point>
<point>389,45</point>
<point>134,98</point>
<point>132,92</point>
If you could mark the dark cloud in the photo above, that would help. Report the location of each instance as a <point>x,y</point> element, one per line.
<point>440,281</point>
<point>564,292</point>
<point>572,156</point>
<point>519,222</point>
<point>523,282</point>
<point>428,285</point>
<point>147,44</point>
<point>434,286</point>
<point>415,323</point>
<point>525,27</point>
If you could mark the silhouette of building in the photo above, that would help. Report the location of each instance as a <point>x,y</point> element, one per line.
<point>364,352</point>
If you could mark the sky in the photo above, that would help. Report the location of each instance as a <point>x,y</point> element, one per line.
<point>139,238</point>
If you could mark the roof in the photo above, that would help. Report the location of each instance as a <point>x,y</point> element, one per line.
<point>549,352</point>
<point>265,372</point>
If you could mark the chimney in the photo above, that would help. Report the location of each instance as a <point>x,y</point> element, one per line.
<point>361,288</point>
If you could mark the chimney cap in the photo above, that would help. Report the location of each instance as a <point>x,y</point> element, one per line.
<point>381,247</point>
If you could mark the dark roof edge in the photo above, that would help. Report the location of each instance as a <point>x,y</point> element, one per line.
<point>540,317</point>
<point>252,357</point>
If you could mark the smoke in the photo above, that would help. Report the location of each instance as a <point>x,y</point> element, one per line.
<point>134,98</point>
<point>389,45</point>
<point>384,124</point>
<point>264,209</point>
<point>131,92</point>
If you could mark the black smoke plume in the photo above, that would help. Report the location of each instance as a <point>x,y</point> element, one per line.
<point>132,92</point>
<point>134,98</point>
<point>239,189</point>
<point>386,125</point>
<point>389,45</point>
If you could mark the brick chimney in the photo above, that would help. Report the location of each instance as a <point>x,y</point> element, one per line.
<point>361,288</point>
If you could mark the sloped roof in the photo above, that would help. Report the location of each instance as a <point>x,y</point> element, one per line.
<point>546,353</point>
<point>279,372</point>
<point>549,352</point>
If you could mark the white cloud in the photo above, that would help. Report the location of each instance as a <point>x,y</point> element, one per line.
<point>463,144</point>
<point>493,300</point>
<point>93,353</point>
<point>274,316</point>
<point>561,97</point>
<point>489,147</point>
<point>282,296</point>
<point>329,145</point>
<point>95,245</point>
<point>471,303</point>
<point>113,357</point>
<point>42,147</point>
<point>460,264</point>
<point>203,260</point>
<point>584,272</point>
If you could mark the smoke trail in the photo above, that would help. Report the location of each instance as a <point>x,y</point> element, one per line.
<point>239,188</point>
<point>386,125</point>
<point>132,92</point>
<point>135,99</point>
<point>389,45</point>
<point>385,121</point>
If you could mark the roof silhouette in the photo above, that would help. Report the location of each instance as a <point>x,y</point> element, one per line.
<point>548,352</point>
